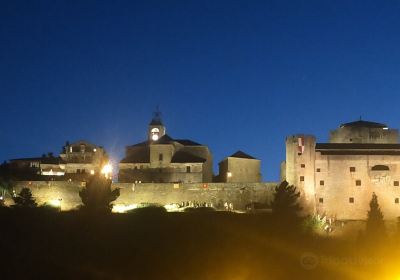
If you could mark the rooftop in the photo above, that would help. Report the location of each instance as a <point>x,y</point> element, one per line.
<point>362,123</point>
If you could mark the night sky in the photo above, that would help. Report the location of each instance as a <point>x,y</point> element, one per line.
<point>234,75</point>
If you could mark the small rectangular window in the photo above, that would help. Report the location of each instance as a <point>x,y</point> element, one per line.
<point>351,199</point>
<point>301,178</point>
<point>396,183</point>
<point>358,182</point>
<point>352,169</point>
<point>396,200</point>
<point>187,169</point>
<point>318,169</point>
<point>321,200</point>
<point>302,165</point>
<point>321,183</point>
<point>160,157</point>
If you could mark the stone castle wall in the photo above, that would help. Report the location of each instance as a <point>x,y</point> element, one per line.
<point>239,194</point>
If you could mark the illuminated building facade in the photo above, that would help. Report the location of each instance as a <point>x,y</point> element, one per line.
<point>338,178</point>
<point>239,168</point>
<point>162,159</point>
<point>77,161</point>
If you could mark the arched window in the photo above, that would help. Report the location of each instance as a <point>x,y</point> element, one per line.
<point>380,168</point>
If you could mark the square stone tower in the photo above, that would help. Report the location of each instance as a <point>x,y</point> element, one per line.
<point>299,168</point>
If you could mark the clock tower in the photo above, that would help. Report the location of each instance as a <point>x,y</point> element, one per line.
<point>156,127</point>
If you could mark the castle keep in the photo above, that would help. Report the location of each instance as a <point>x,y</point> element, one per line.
<point>338,178</point>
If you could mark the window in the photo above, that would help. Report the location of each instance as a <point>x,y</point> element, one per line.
<point>396,183</point>
<point>380,168</point>
<point>352,169</point>
<point>318,169</point>
<point>396,200</point>
<point>321,183</point>
<point>321,200</point>
<point>351,199</point>
<point>78,171</point>
<point>160,157</point>
<point>301,178</point>
<point>83,171</point>
<point>302,165</point>
<point>358,182</point>
<point>187,169</point>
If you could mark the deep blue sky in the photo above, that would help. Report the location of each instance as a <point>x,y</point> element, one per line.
<point>229,74</point>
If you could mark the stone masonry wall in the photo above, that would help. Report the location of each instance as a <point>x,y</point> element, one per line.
<point>239,194</point>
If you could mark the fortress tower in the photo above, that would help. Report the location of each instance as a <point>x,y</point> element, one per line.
<point>299,167</point>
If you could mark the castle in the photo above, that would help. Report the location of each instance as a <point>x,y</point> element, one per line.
<point>335,179</point>
<point>338,178</point>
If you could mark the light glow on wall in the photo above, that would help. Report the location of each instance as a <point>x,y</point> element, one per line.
<point>107,170</point>
<point>55,203</point>
<point>52,173</point>
<point>122,208</point>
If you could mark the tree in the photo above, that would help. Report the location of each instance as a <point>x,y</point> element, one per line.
<point>24,199</point>
<point>6,186</point>
<point>98,195</point>
<point>375,227</point>
<point>285,206</point>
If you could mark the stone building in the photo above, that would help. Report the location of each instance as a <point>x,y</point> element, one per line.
<point>338,178</point>
<point>162,159</point>
<point>83,159</point>
<point>239,168</point>
<point>77,161</point>
<point>36,168</point>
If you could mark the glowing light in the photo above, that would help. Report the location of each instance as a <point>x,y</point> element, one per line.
<point>154,137</point>
<point>385,128</point>
<point>229,174</point>
<point>55,203</point>
<point>94,150</point>
<point>52,173</point>
<point>106,170</point>
<point>172,207</point>
<point>92,172</point>
<point>122,208</point>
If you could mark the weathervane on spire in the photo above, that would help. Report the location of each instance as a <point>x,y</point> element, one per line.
<point>157,114</point>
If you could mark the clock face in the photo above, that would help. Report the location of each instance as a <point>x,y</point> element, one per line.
<point>155,134</point>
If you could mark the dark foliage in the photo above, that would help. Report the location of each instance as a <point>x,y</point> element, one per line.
<point>98,195</point>
<point>24,199</point>
<point>285,206</point>
<point>375,227</point>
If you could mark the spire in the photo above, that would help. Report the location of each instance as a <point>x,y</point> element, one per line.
<point>156,120</point>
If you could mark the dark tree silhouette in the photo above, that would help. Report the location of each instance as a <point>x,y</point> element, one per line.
<point>375,227</point>
<point>98,195</point>
<point>285,206</point>
<point>24,199</point>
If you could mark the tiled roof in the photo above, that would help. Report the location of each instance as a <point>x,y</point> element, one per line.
<point>184,157</point>
<point>362,123</point>
<point>240,154</point>
<point>187,142</point>
<point>357,149</point>
<point>138,155</point>
<point>44,160</point>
